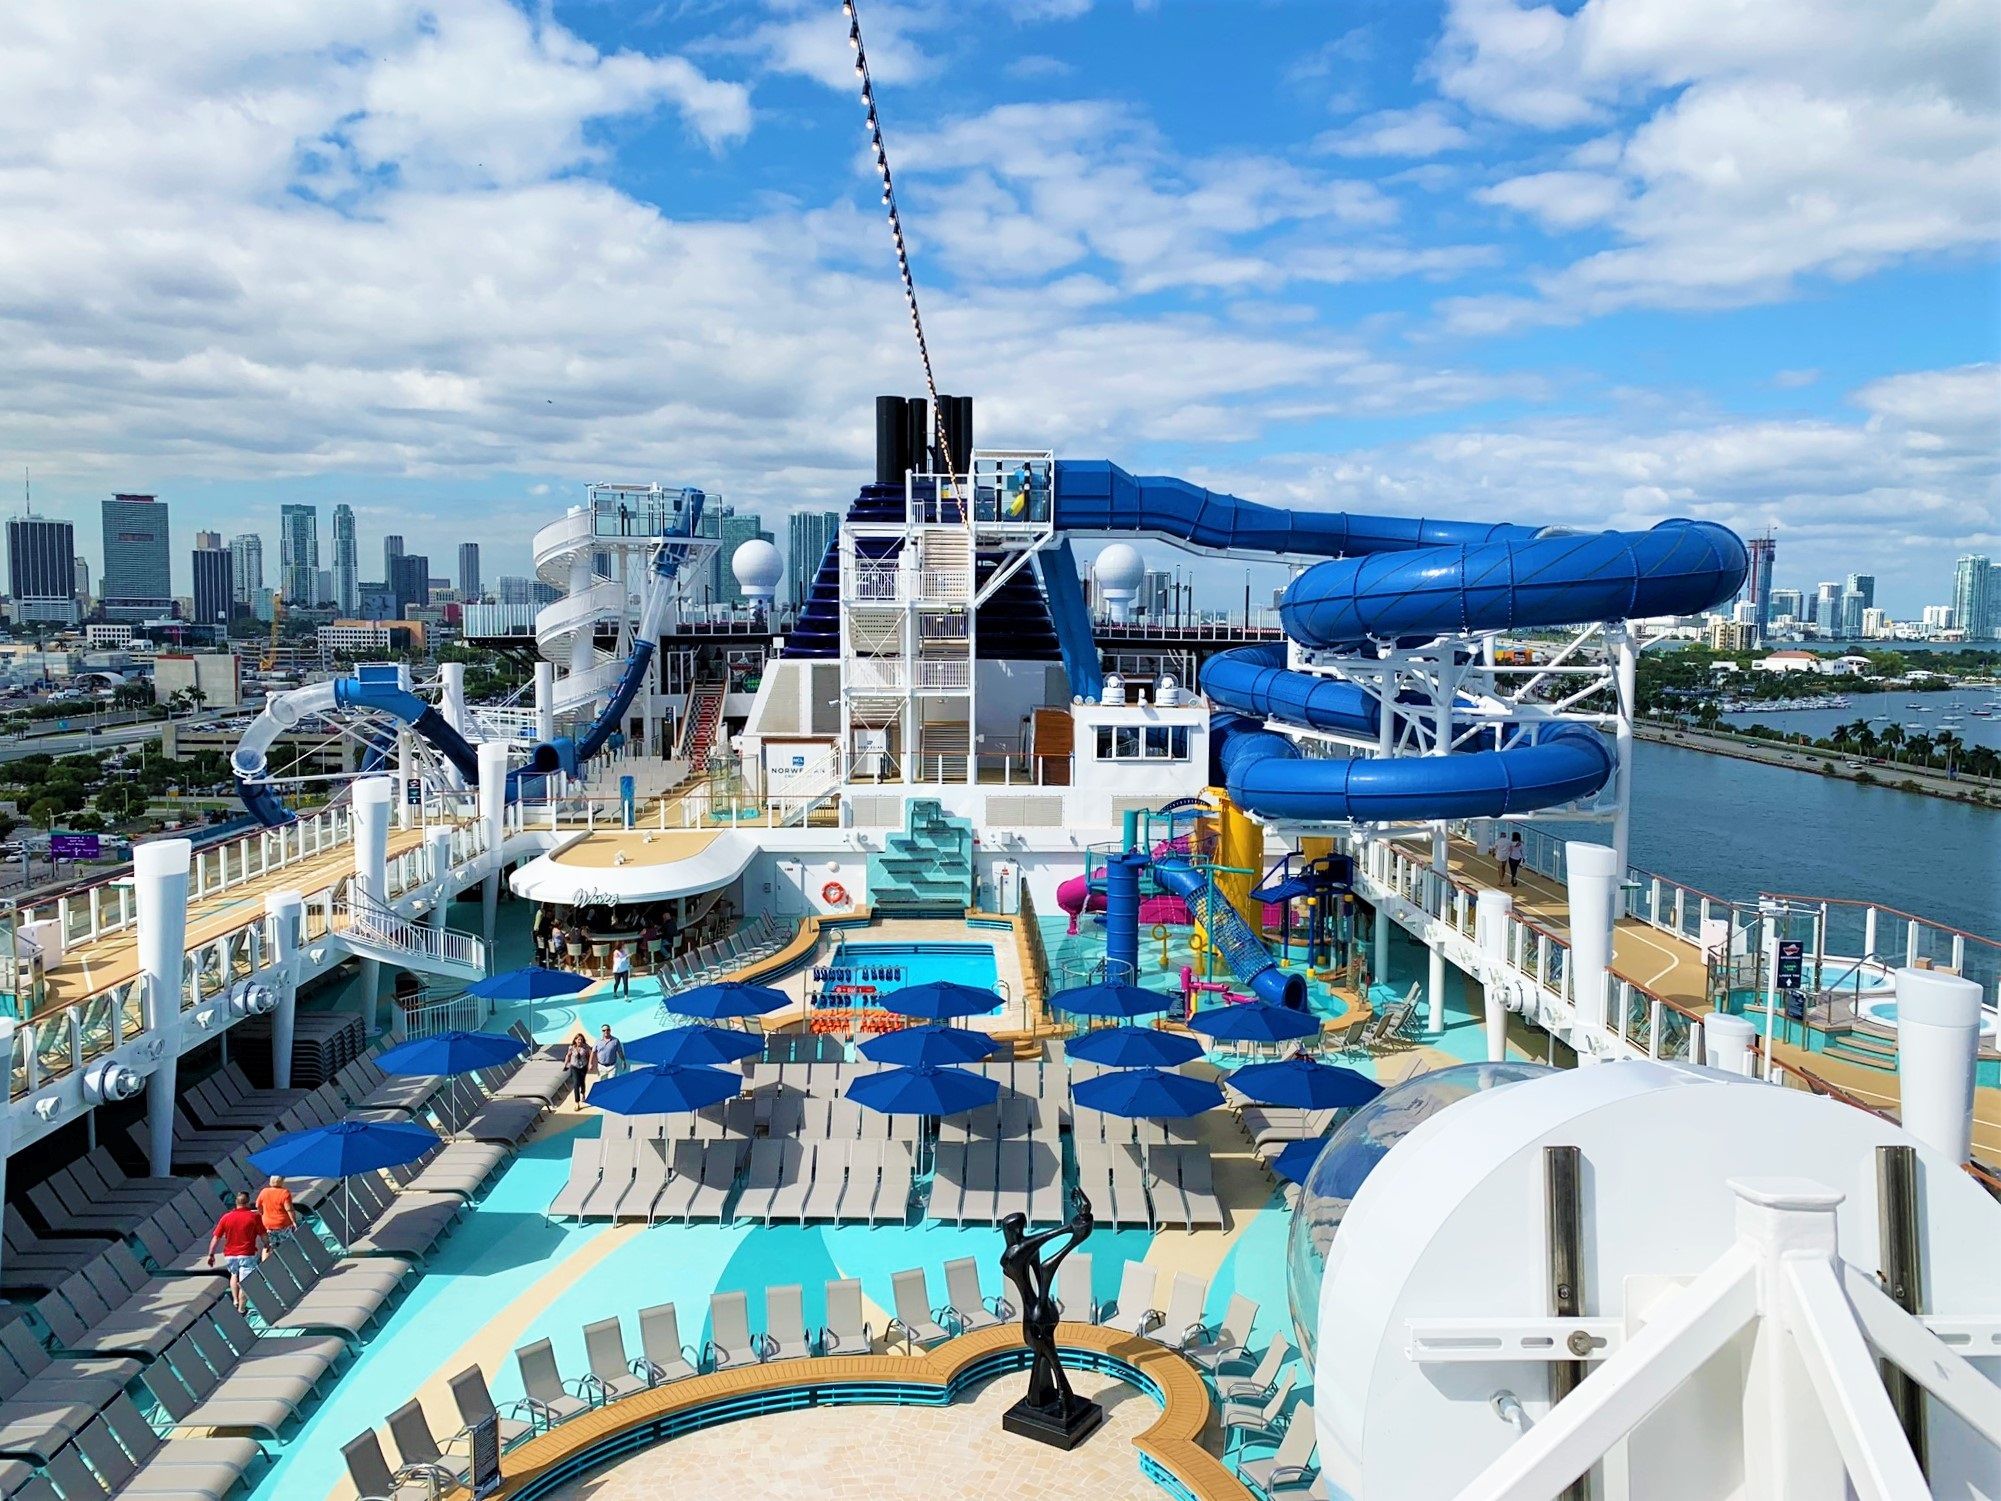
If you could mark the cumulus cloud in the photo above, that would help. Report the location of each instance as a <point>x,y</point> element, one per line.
<point>1426,130</point>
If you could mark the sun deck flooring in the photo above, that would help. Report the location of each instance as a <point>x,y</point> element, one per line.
<point>98,964</point>
<point>1879,1089</point>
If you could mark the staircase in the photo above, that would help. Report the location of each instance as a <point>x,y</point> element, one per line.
<point>370,930</point>
<point>927,868</point>
<point>943,746</point>
<point>705,717</point>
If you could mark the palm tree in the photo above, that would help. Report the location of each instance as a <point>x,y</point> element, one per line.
<point>1948,742</point>
<point>1920,745</point>
<point>1892,739</point>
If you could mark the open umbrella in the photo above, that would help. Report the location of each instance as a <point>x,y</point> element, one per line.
<point>343,1149</point>
<point>1349,1169</point>
<point>939,1000</point>
<point>1254,1021</point>
<point>1133,1047</point>
<point>1110,999</point>
<point>725,999</point>
<point>695,1046</point>
<point>451,1053</point>
<point>923,1089</point>
<point>663,1089</point>
<point>940,1046</point>
<point>1147,1092</point>
<point>531,984</point>
<point>1304,1082</point>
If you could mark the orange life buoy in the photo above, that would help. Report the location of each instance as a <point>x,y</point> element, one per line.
<point>834,894</point>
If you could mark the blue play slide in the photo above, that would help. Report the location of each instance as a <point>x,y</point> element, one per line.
<point>1402,579</point>
<point>1071,616</point>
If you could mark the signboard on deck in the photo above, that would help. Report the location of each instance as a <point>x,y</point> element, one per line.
<point>485,1467</point>
<point>1792,959</point>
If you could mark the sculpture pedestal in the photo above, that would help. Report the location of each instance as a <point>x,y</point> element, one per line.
<point>1060,1430</point>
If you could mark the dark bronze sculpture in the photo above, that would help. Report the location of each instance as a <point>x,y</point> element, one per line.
<point>1051,1412</point>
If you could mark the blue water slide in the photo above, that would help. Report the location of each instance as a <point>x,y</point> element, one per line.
<point>1071,617</point>
<point>668,562</point>
<point>1241,949</point>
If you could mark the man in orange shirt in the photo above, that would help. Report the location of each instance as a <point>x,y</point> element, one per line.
<point>274,1202</point>
<point>240,1233</point>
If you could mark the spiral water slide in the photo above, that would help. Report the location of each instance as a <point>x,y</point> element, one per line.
<point>363,694</point>
<point>1405,579</point>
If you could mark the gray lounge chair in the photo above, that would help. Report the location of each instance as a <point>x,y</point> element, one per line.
<point>729,1344</point>
<point>784,1336</point>
<point>1195,1175</point>
<point>663,1357</point>
<point>649,1181</point>
<point>1181,1321</point>
<point>1264,1376</point>
<point>1246,1418</point>
<point>827,1180</point>
<point>1289,1470</point>
<point>585,1170</point>
<point>795,1173</point>
<point>475,1405</point>
<point>611,1374</point>
<point>964,1304</point>
<point>677,1195</point>
<point>373,1479</point>
<point>549,1400</point>
<point>1225,1344</point>
<point>419,1448</point>
<point>914,1316</point>
<point>846,1332</point>
<point>132,1460</point>
<point>720,1161</point>
<point>1134,1312</point>
<point>1073,1289</point>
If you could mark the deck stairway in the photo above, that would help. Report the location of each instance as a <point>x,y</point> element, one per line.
<point>705,717</point>
<point>926,868</point>
<point>370,930</point>
<point>943,746</point>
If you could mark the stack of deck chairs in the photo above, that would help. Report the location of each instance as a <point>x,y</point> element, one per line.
<point>1004,1158</point>
<point>1142,1172</point>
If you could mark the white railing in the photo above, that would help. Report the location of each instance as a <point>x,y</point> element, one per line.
<point>872,586</point>
<point>952,585</point>
<point>876,674</point>
<point>947,673</point>
<point>428,1018</point>
<point>365,924</point>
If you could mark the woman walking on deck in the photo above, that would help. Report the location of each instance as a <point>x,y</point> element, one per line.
<point>577,1061</point>
<point>621,971</point>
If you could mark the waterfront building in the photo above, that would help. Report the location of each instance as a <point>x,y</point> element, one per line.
<point>1854,609</point>
<point>138,574</point>
<point>409,580</point>
<point>299,554</point>
<point>1938,618</point>
<point>1788,602</point>
<point>1763,552</point>
<point>1863,584</point>
<point>1976,597</point>
<point>1827,607</point>
<point>392,549</point>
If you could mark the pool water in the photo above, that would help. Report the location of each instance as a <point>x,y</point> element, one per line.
<point>891,966</point>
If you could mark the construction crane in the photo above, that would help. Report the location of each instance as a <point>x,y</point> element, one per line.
<point>270,661</point>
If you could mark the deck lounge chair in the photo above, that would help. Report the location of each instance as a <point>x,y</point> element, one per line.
<point>684,1179</point>
<point>828,1180</point>
<point>729,1344</point>
<point>369,1280</point>
<point>663,1357</point>
<point>460,1167</point>
<point>369,1220</point>
<point>948,1183</point>
<point>1289,1470</point>
<point>1073,1289</point>
<point>1134,1312</point>
<point>784,1336</point>
<point>899,1178</point>
<point>585,1172</point>
<point>130,1459</point>
<point>548,1400</point>
<point>1263,1377</point>
<point>964,1305</point>
<point>720,1161</point>
<point>1196,1175</point>
<point>419,1448</point>
<point>1182,1319</point>
<point>475,1405</point>
<point>788,1196</point>
<point>649,1181</point>
<point>846,1332</point>
<point>1245,1418</point>
<point>864,1180</point>
<point>371,1476</point>
<point>1130,1205</point>
<point>222,1374</point>
<point>611,1374</point>
<point>1222,1345</point>
<point>915,1318</point>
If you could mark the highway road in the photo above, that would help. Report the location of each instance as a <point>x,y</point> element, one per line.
<point>69,744</point>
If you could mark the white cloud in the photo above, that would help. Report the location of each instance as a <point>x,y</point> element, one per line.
<point>1561,200</point>
<point>1424,131</point>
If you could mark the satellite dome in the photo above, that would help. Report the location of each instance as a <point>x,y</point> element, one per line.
<point>1119,571</point>
<point>758,567</point>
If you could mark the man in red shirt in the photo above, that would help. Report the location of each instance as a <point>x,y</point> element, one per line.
<point>240,1233</point>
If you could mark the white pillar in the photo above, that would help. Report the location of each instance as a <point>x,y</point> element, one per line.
<point>160,917</point>
<point>1434,989</point>
<point>1381,968</point>
<point>1938,1031</point>
<point>1730,1043</point>
<point>287,911</point>
<point>370,797</point>
<point>1492,911</point>
<point>1626,664</point>
<point>439,844</point>
<point>493,818</point>
<point>545,701</point>
<point>1594,872</point>
<point>406,773</point>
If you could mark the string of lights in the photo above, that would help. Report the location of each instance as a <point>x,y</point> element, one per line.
<point>896,227</point>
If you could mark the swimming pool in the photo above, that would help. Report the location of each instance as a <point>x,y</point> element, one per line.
<point>891,966</point>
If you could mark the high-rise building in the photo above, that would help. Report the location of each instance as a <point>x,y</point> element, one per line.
<point>1937,618</point>
<point>745,526</point>
<point>1787,602</point>
<point>1875,623</point>
<point>246,567</point>
<point>1976,597</point>
<point>410,581</point>
<point>207,541</point>
<point>392,549</point>
<point>41,569</point>
<point>517,591</point>
<point>469,570</point>
<point>299,554</point>
<point>1827,607</point>
<point>214,591</point>
<point>1758,583</point>
<point>808,535</point>
<point>323,586</point>
<point>1854,605</point>
<point>346,570</point>
<point>1156,596</point>
<point>1863,584</point>
<point>82,585</point>
<point>138,571</point>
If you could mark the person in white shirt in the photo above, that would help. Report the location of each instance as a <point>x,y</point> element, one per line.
<point>621,971</point>
<point>1499,850</point>
<point>1516,852</point>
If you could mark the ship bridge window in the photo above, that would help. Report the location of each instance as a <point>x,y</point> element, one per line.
<point>1142,742</point>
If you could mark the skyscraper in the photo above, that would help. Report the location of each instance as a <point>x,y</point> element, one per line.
<point>213,591</point>
<point>41,569</point>
<point>1787,602</point>
<point>1976,598</point>
<point>207,541</point>
<point>392,549</point>
<point>1827,607</point>
<point>246,567</point>
<point>410,581</point>
<point>346,571</point>
<point>1863,584</point>
<point>299,554</point>
<point>468,570</point>
<point>138,573</point>
<point>1758,584</point>
<point>1854,606</point>
<point>808,535</point>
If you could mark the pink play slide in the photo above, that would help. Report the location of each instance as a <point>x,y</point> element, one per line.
<point>1075,897</point>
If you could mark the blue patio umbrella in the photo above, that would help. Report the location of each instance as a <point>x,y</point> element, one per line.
<point>1110,999</point>
<point>939,1000</point>
<point>451,1053</point>
<point>939,1046</point>
<point>343,1149</point>
<point>1254,1021</point>
<point>725,999</point>
<point>1296,1161</point>
<point>696,1046</point>
<point>1133,1047</point>
<point>531,984</point>
<point>1147,1092</point>
<point>923,1089</point>
<point>1306,1083</point>
<point>663,1089</point>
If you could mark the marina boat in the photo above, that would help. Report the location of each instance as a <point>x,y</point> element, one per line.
<point>949,792</point>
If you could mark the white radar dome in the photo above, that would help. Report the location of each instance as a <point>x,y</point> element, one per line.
<point>758,567</point>
<point>1119,571</point>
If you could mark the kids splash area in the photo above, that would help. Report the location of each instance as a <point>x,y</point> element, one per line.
<point>976,1035</point>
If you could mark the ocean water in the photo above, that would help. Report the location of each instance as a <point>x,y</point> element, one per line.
<point>1916,712</point>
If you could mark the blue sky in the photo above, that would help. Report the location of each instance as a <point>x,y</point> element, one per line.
<point>1582,264</point>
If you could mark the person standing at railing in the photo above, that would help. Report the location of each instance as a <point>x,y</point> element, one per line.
<point>621,973</point>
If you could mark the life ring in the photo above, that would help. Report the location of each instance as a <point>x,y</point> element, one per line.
<point>834,894</point>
